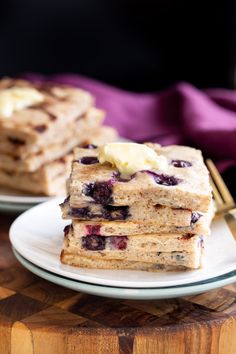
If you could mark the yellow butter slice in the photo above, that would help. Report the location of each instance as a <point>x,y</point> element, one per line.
<point>130,158</point>
<point>17,98</point>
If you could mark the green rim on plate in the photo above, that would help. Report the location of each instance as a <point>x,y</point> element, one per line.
<point>130,293</point>
<point>15,207</point>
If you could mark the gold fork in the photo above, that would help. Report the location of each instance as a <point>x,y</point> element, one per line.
<point>223,199</point>
<point>225,204</point>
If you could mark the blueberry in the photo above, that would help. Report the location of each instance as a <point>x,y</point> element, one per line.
<point>118,242</point>
<point>201,241</point>
<point>195,217</point>
<point>79,212</point>
<point>67,199</point>
<point>109,212</point>
<point>164,180</point>
<point>89,146</point>
<point>52,117</point>
<point>116,212</point>
<point>16,141</point>
<point>40,128</point>
<point>93,229</point>
<point>177,256</point>
<point>66,230</point>
<point>185,237</point>
<point>61,160</point>
<point>159,266</point>
<point>89,160</point>
<point>94,243</point>
<point>101,192</point>
<point>117,177</point>
<point>181,163</point>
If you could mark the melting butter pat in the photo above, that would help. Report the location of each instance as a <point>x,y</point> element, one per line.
<point>130,158</point>
<point>17,98</point>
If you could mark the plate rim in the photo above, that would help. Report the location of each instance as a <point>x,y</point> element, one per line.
<point>82,277</point>
<point>21,199</point>
<point>11,207</point>
<point>126,293</point>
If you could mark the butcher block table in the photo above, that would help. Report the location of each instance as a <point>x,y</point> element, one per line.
<point>38,317</point>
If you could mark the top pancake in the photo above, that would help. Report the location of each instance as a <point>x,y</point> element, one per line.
<point>185,187</point>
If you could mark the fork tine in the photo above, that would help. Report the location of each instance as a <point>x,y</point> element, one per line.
<point>221,186</point>
<point>216,194</point>
<point>231,222</point>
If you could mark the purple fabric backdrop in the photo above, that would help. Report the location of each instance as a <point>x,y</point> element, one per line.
<point>181,114</point>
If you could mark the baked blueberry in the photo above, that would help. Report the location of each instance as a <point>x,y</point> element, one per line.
<point>116,212</point>
<point>201,241</point>
<point>67,199</point>
<point>118,178</point>
<point>119,242</point>
<point>89,146</point>
<point>79,212</point>
<point>40,128</point>
<point>164,180</point>
<point>181,163</point>
<point>16,141</point>
<point>101,192</point>
<point>94,243</point>
<point>185,237</point>
<point>195,217</point>
<point>66,230</point>
<point>177,256</point>
<point>93,230</point>
<point>89,160</point>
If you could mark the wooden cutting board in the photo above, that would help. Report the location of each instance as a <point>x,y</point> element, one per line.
<point>38,317</point>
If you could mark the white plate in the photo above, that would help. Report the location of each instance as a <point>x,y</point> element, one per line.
<point>37,235</point>
<point>11,196</point>
<point>128,293</point>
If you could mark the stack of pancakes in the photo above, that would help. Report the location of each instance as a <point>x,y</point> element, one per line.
<point>37,136</point>
<point>153,220</point>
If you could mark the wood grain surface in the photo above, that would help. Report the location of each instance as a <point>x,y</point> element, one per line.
<point>38,317</point>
